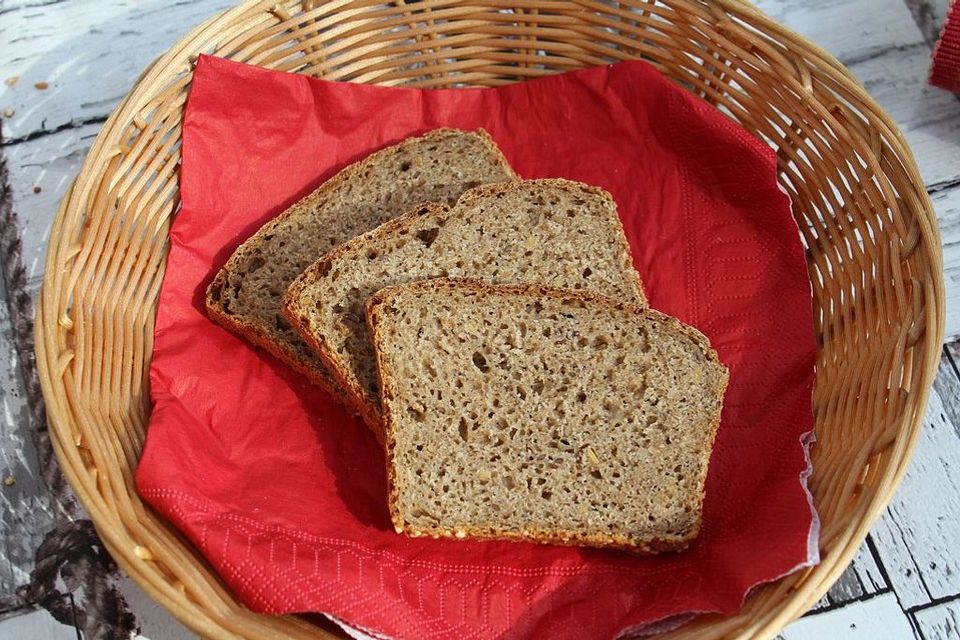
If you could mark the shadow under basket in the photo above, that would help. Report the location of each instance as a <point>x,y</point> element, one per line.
<point>872,245</point>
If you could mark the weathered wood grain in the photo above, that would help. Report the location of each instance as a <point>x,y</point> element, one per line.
<point>50,164</point>
<point>878,618</point>
<point>938,9</point>
<point>845,28</point>
<point>89,53</point>
<point>948,387</point>
<point>953,352</point>
<point>940,622</point>
<point>919,534</point>
<point>25,513</point>
<point>861,580</point>
<point>36,625</point>
<point>929,16</point>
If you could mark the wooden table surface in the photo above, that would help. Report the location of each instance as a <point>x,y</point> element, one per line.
<point>67,63</point>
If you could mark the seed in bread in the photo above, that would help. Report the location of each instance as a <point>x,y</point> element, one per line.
<point>556,416</point>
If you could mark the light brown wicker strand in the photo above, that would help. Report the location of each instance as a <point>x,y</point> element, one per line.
<point>872,247</point>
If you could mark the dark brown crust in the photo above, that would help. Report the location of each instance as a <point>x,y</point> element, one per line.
<point>357,396</point>
<point>545,536</point>
<point>261,336</point>
<point>252,333</point>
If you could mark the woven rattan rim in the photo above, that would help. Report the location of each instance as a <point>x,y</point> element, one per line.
<point>873,248</point>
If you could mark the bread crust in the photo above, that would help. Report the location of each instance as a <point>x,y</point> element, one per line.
<point>262,336</point>
<point>314,336</point>
<point>546,536</point>
<point>254,334</point>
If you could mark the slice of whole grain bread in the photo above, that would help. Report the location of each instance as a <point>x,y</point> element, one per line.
<point>555,232</point>
<point>548,415</point>
<point>246,294</point>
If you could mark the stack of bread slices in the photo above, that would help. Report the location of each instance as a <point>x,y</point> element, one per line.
<point>494,335</point>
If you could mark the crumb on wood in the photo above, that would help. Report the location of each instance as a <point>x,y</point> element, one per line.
<point>37,189</point>
<point>12,80</point>
<point>42,86</point>
<point>9,481</point>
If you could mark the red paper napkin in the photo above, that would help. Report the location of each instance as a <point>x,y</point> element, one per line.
<point>945,70</point>
<point>285,494</point>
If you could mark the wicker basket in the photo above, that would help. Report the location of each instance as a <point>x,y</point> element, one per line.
<point>872,242</point>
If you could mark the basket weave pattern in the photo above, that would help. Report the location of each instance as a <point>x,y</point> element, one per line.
<point>872,243</point>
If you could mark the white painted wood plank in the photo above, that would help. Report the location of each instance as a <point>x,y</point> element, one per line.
<point>869,571</point>
<point>919,534</point>
<point>953,349</point>
<point>49,163</point>
<point>941,622</point>
<point>845,28</point>
<point>862,579</point>
<point>35,625</point>
<point>24,506</point>
<point>879,618</point>
<point>89,53</point>
<point>822,603</point>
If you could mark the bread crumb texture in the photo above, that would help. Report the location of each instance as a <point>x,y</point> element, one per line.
<point>524,412</point>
